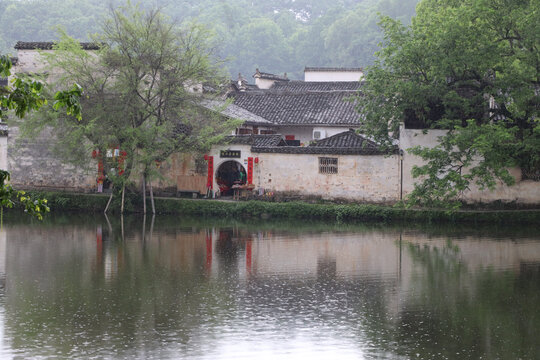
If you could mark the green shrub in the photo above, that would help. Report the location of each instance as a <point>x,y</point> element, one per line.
<point>283,210</point>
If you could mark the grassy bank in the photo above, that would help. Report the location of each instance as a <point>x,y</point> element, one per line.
<point>288,210</point>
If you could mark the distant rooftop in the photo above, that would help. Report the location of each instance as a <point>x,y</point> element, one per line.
<point>263,75</point>
<point>300,108</point>
<point>316,86</point>
<point>48,45</point>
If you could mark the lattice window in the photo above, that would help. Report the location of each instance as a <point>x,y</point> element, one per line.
<point>328,165</point>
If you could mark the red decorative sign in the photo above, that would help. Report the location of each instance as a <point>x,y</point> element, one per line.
<point>210,180</point>
<point>250,171</point>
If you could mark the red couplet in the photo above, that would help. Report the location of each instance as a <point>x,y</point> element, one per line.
<point>210,180</point>
<point>250,171</point>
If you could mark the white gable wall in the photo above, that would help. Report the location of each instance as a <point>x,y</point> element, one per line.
<point>305,133</point>
<point>328,76</point>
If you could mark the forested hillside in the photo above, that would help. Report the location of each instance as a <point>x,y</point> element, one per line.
<point>276,36</point>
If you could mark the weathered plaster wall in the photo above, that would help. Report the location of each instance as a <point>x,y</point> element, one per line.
<point>181,173</point>
<point>33,165</point>
<point>370,178</point>
<point>361,178</point>
<point>524,191</point>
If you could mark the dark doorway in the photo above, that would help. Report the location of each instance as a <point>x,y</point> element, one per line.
<point>228,174</point>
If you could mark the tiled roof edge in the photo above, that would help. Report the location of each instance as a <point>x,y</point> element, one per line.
<point>48,45</point>
<point>321,150</point>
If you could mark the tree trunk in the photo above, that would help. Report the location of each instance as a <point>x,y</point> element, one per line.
<point>152,197</point>
<point>144,193</point>
<point>110,199</point>
<point>123,194</point>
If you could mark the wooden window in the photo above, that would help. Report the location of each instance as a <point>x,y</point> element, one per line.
<point>328,165</point>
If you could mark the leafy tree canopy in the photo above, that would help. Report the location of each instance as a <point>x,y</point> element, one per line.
<point>143,92</point>
<point>471,67</point>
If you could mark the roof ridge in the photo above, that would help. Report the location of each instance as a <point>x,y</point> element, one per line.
<point>48,45</point>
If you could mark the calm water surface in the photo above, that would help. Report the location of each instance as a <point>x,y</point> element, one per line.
<point>172,288</point>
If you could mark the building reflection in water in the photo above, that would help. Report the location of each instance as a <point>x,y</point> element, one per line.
<point>179,287</point>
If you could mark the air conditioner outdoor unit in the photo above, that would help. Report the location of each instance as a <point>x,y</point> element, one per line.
<point>319,134</point>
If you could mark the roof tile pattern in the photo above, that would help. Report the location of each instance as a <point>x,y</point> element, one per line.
<point>319,150</point>
<point>234,111</point>
<point>346,143</point>
<point>305,86</point>
<point>346,139</point>
<point>256,140</point>
<point>24,45</point>
<point>302,108</point>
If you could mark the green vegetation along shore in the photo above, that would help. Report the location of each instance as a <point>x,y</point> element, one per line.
<point>60,202</point>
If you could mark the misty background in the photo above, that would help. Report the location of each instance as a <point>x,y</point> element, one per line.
<point>276,36</point>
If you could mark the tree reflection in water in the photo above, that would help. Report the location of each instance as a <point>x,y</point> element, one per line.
<point>191,289</point>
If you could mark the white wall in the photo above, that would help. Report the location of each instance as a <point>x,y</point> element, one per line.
<point>524,191</point>
<point>327,76</point>
<point>373,178</point>
<point>264,83</point>
<point>305,133</point>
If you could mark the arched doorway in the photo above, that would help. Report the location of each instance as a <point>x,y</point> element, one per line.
<point>228,174</point>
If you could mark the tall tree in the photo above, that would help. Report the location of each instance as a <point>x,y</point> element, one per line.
<point>471,67</point>
<point>143,87</point>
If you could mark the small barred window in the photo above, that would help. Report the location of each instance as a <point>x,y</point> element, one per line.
<point>328,165</point>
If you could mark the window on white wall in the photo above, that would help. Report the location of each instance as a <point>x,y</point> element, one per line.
<point>328,165</point>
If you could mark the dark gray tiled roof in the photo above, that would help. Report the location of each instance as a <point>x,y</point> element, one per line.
<point>24,45</point>
<point>234,111</point>
<point>346,139</point>
<point>303,108</point>
<point>336,69</point>
<point>305,86</point>
<point>256,140</point>
<point>320,150</point>
<point>345,143</point>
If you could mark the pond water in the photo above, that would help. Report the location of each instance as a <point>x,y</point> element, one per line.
<point>85,286</point>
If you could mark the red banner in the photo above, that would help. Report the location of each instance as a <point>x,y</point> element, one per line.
<point>210,181</point>
<point>250,171</point>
